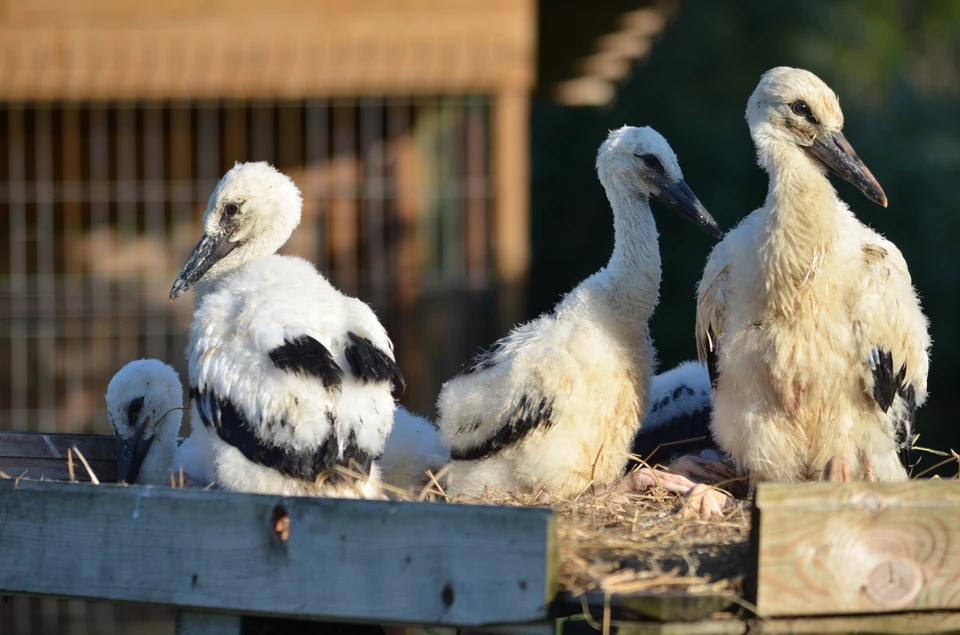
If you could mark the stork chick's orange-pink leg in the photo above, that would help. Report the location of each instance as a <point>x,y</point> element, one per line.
<point>700,500</point>
<point>702,470</point>
<point>838,470</point>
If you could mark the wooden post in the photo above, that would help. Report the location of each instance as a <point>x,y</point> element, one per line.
<point>197,623</point>
<point>842,548</point>
<point>511,226</point>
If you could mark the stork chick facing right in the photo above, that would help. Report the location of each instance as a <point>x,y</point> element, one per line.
<point>556,403</point>
<point>807,319</point>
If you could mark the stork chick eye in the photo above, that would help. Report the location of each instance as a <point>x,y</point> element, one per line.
<point>231,209</point>
<point>652,162</point>
<point>801,109</point>
<point>133,410</point>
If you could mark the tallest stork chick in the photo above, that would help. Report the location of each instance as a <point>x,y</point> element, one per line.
<point>556,403</point>
<point>806,318</point>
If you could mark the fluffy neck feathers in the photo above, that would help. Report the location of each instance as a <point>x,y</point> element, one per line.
<point>632,276</point>
<point>801,226</point>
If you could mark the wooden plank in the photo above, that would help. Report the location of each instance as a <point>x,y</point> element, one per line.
<point>144,50</point>
<point>198,623</point>
<point>44,456</point>
<point>419,563</point>
<point>842,548</point>
<point>35,445</point>
<point>662,607</point>
<point>892,624</point>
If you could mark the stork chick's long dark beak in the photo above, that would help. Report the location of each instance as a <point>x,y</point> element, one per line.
<point>210,249</point>
<point>130,455</point>
<point>834,151</point>
<point>678,196</point>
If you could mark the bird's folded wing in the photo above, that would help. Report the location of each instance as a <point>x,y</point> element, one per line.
<point>893,335</point>
<point>711,305</point>
<point>495,404</point>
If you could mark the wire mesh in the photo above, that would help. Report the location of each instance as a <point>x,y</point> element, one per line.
<point>103,201</point>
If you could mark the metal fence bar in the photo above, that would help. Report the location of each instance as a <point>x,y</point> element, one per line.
<point>262,141</point>
<point>370,155</point>
<point>154,211</point>
<point>317,154</point>
<point>18,419</point>
<point>45,361</point>
<point>73,340</point>
<point>99,292</point>
<point>127,190</point>
<point>343,210</point>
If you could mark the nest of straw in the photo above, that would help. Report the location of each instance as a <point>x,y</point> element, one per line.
<point>639,543</point>
<point>631,543</point>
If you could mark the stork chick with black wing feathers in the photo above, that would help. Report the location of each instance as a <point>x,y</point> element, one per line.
<point>291,381</point>
<point>556,403</point>
<point>678,419</point>
<point>807,319</point>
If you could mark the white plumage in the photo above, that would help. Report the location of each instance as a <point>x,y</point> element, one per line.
<point>413,447</point>
<point>145,408</point>
<point>289,378</point>
<point>556,403</point>
<point>807,318</point>
<point>677,392</point>
<point>678,417</point>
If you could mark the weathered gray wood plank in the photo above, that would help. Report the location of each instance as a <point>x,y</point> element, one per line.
<point>663,607</point>
<point>889,624</point>
<point>415,563</point>
<point>197,623</point>
<point>843,548</point>
<point>36,455</point>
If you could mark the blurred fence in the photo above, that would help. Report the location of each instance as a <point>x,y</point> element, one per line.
<point>102,203</point>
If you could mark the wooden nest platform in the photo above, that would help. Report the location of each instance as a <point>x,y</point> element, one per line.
<point>811,558</point>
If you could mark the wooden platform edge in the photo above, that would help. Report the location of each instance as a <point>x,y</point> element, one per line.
<point>891,624</point>
<point>660,607</point>
<point>855,548</point>
<point>343,560</point>
<point>38,455</point>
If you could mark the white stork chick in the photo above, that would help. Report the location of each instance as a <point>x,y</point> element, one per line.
<point>556,403</point>
<point>678,417</point>
<point>806,318</point>
<point>145,408</point>
<point>413,448</point>
<point>289,378</point>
